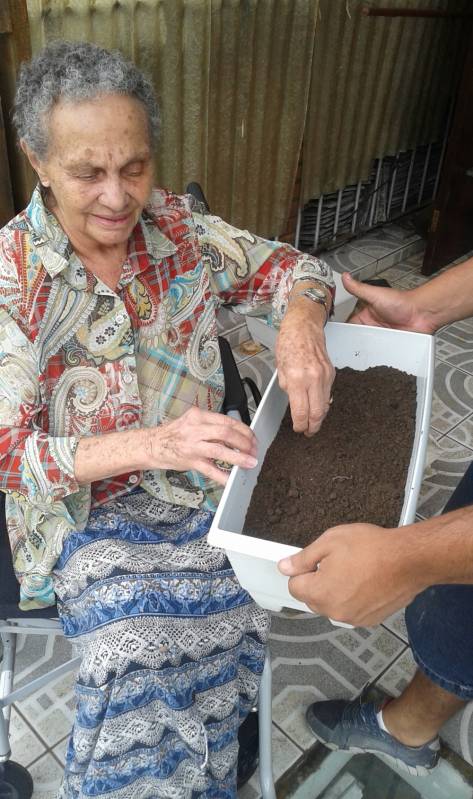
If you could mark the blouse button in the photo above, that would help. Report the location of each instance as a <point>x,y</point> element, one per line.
<point>120,318</point>
<point>127,378</point>
<point>133,478</point>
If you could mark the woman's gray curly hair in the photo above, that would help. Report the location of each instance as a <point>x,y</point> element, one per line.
<point>75,71</point>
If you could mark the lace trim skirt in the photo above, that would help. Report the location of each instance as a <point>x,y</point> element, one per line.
<point>172,653</point>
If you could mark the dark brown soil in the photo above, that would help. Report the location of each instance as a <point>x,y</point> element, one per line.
<point>353,470</point>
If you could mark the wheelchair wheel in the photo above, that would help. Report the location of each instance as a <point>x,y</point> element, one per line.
<point>15,781</point>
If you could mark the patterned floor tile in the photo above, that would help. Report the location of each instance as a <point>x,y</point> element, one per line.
<point>453,397</point>
<point>25,744</point>
<point>55,724</point>
<point>399,675</point>
<point>289,709</point>
<point>385,240</point>
<point>463,432</point>
<point>454,344</point>
<point>260,368</point>
<point>397,272</point>
<point>285,754</point>
<point>35,654</point>
<point>416,259</point>
<point>60,750</point>
<point>228,319</point>
<point>310,654</point>
<point>447,461</point>
<point>242,344</point>
<point>391,259</point>
<point>397,624</point>
<point>412,280</point>
<point>47,775</point>
<point>366,272</point>
<point>348,259</point>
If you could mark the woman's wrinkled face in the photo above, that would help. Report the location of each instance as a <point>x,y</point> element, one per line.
<point>98,168</point>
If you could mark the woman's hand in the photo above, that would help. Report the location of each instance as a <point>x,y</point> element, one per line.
<point>355,573</point>
<point>199,438</point>
<point>304,369</point>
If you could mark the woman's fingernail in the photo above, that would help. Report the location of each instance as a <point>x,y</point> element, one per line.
<point>252,462</point>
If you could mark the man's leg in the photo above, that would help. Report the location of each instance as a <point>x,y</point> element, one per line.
<point>426,704</point>
<point>419,713</point>
<point>439,627</point>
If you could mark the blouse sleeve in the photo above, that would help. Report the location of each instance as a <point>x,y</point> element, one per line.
<point>36,465</point>
<point>254,274</point>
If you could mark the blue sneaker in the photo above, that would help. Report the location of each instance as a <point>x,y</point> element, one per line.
<point>353,726</point>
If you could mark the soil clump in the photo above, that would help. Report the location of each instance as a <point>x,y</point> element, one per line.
<point>353,470</point>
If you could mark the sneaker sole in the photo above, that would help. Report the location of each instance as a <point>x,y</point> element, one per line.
<point>415,771</point>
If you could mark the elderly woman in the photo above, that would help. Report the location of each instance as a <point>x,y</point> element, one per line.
<point>111,385</point>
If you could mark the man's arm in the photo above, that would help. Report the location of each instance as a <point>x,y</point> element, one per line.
<point>440,301</point>
<point>365,572</point>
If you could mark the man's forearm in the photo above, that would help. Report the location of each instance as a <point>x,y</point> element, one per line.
<point>447,298</point>
<point>439,550</point>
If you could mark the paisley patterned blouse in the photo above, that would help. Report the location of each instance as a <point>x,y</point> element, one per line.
<point>78,359</point>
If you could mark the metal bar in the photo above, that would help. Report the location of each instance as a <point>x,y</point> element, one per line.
<point>424,174</point>
<point>265,732</point>
<point>408,181</point>
<point>317,224</point>
<point>6,684</point>
<point>417,13</point>
<point>391,189</point>
<point>27,630</point>
<point>25,622</point>
<point>337,212</point>
<point>26,690</point>
<point>376,187</point>
<point>298,228</point>
<point>357,202</point>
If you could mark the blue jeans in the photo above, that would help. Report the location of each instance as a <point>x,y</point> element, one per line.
<point>440,621</point>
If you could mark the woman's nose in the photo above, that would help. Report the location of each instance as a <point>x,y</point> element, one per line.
<point>113,194</point>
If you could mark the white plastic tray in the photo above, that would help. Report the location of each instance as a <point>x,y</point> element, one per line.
<point>255,560</point>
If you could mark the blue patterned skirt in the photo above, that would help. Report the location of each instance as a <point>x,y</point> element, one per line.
<point>172,653</point>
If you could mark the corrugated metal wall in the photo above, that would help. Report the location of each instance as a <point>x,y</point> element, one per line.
<point>380,85</point>
<point>241,82</point>
<point>233,79</point>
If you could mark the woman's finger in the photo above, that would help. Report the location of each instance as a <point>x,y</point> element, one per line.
<point>217,451</point>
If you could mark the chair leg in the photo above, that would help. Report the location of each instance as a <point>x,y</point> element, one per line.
<point>6,684</point>
<point>265,731</point>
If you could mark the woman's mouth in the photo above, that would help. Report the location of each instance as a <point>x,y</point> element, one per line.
<point>112,221</point>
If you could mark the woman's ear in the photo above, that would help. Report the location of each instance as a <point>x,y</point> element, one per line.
<point>38,165</point>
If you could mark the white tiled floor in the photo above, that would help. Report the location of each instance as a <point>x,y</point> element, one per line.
<point>311,659</point>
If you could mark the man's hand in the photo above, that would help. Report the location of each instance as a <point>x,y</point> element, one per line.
<point>304,369</point>
<point>355,573</point>
<point>387,307</point>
